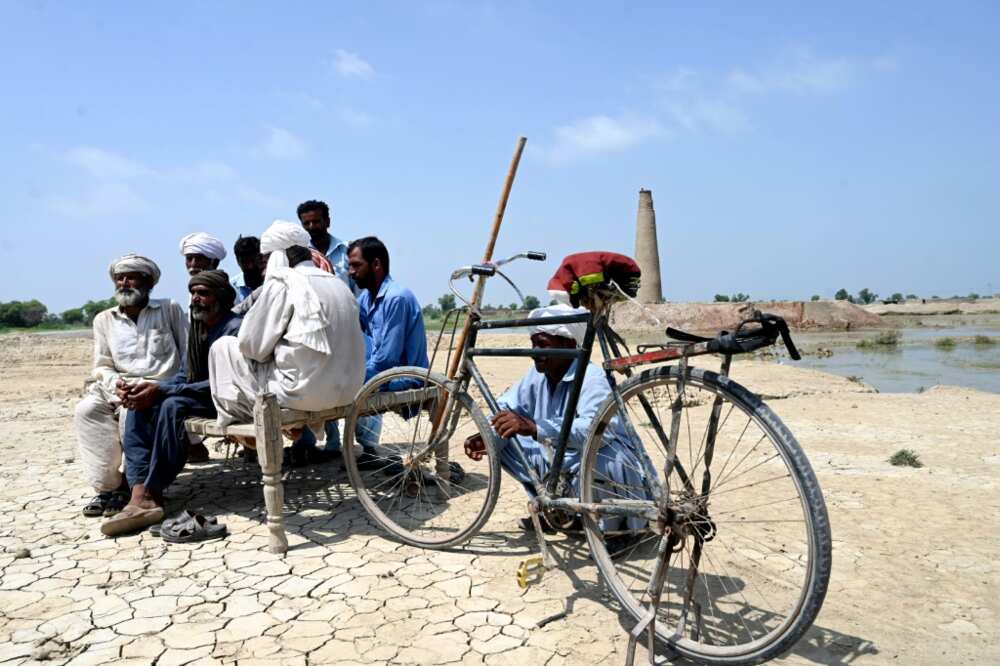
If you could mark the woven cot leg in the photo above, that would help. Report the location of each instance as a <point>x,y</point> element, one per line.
<point>267,422</point>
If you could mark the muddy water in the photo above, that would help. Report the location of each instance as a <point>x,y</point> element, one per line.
<point>917,362</point>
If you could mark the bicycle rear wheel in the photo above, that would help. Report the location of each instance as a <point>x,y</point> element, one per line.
<point>751,552</point>
<point>417,483</point>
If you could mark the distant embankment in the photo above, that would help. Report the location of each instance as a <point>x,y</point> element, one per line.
<point>937,306</point>
<point>715,317</point>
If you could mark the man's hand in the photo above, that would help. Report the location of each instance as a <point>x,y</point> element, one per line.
<point>142,396</point>
<point>475,448</point>
<point>508,424</point>
<point>122,389</point>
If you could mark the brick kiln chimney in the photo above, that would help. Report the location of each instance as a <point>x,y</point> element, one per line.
<point>647,253</point>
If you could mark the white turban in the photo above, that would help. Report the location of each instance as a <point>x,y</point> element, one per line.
<point>202,243</point>
<point>309,323</point>
<point>571,331</point>
<point>134,263</point>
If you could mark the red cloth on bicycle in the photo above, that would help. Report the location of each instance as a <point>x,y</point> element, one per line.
<point>589,269</point>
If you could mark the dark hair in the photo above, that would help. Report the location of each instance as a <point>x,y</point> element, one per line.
<point>310,206</point>
<point>371,249</point>
<point>246,246</point>
<point>297,254</point>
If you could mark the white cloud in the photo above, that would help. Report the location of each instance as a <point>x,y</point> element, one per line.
<point>600,133</point>
<point>356,118</point>
<point>352,66</point>
<point>800,70</point>
<point>283,145</point>
<point>208,172</point>
<point>257,197</point>
<point>106,165</point>
<point>710,114</point>
<point>106,199</point>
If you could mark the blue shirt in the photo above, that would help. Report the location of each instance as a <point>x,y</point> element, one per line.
<point>337,254</point>
<point>533,398</point>
<point>178,385</point>
<point>394,328</point>
<point>240,285</point>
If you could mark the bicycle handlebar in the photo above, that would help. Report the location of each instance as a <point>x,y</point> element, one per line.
<point>491,269</point>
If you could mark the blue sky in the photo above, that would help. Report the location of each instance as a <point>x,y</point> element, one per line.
<point>790,150</point>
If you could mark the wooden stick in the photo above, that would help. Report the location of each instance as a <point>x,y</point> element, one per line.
<point>477,293</point>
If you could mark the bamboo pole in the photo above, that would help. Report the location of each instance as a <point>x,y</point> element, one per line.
<point>477,293</point>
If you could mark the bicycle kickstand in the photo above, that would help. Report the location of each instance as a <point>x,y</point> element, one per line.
<point>531,569</point>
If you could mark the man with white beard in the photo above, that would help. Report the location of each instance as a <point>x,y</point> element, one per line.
<point>139,339</point>
<point>301,339</point>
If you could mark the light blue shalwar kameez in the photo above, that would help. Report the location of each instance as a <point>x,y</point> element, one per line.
<point>618,466</point>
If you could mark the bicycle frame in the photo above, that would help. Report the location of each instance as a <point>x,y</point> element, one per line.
<point>550,492</point>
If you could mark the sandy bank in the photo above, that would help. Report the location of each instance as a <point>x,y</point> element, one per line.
<point>714,317</point>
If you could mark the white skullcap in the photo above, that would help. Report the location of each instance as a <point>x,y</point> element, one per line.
<point>202,243</point>
<point>571,331</point>
<point>134,263</point>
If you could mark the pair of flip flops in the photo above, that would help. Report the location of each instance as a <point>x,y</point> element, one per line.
<point>187,527</point>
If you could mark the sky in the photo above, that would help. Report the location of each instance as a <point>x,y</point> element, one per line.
<point>791,149</point>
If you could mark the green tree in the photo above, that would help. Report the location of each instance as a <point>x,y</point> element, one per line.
<point>896,297</point>
<point>912,297</point>
<point>974,296</point>
<point>842,295</point>
<point>447,302</point>
<point>73,316</point>
<point>514,306</point>
<point>22,314</point>
<point>431,312</point>
<point>92,308</point>
<point>815,297</point>
<point>867,296</point>
<point>531,302</point>
<point>721,298</point>
<point>739,297</point>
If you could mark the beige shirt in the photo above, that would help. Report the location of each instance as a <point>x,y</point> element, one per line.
<point>303,378</point>
<point>152,347</point>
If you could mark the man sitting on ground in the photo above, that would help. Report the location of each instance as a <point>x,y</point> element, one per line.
<point>202,252</point>
<point>300,340</point>
<point>251,263</point>
<point>142,339</point>
<point>532,413</point>
<point>155,442</point>
<point>393,326</point>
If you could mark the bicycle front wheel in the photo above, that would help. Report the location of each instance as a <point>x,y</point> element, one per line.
<point>748,564</point>
<point>410,470</point>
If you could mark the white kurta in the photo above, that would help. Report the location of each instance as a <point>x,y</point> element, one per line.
<point>263,358</point>
<point>150,348</point>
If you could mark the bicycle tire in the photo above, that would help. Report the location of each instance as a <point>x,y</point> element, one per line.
<point>815,575</point>
<point>416,505</point>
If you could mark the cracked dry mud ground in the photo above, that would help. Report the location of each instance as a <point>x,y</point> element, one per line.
<point>914,576</point>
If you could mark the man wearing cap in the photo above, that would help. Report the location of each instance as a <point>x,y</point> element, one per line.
<point>141,339</point>
<point>532,413</point>
<point>201,252</point>
<point>155,441</point>
<point>300,340</point>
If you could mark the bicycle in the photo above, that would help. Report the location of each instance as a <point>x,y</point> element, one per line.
<point>727,545</point>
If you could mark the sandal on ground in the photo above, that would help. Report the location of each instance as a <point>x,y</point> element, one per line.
<point>196,528</point>
<point>156,530</point>
<point>131,519</point>
<point>116,502</point>
<point>95,507</point>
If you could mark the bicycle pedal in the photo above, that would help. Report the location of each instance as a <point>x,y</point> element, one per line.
<point>530,571</point>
